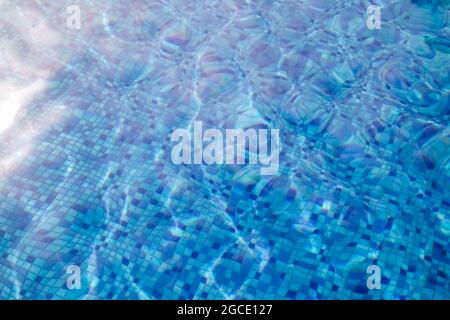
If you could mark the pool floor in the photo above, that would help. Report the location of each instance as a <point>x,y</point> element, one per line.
<point>88,188</point>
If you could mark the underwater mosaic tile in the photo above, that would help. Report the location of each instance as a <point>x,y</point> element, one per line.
<point>86,177</point>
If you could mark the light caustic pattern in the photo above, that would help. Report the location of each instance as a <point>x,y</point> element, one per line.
<point>86,177</point>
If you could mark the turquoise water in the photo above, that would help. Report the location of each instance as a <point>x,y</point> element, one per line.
<point>86,177</point>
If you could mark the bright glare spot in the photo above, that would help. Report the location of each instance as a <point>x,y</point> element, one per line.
<point>13,98</point>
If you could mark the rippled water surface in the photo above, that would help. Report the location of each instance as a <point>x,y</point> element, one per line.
<point>86,176</point>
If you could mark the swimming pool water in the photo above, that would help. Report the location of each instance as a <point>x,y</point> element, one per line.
<point>86,177</point>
